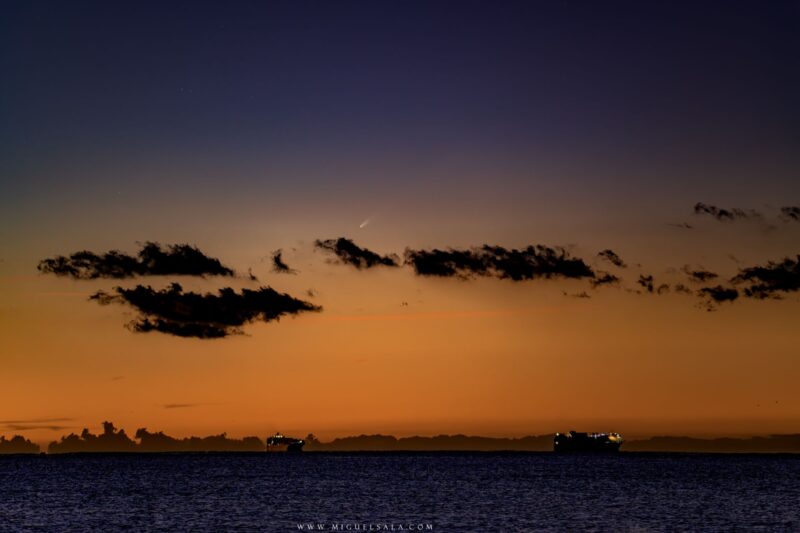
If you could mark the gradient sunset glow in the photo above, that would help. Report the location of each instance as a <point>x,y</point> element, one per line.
<point>405,127</point>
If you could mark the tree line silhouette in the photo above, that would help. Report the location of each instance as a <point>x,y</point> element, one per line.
<point>112,439</point>
<point>116,440</point>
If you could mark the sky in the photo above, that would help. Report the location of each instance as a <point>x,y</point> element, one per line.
<point>668,133</point>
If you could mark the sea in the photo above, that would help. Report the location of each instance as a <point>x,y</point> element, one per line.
<point>442,492</point>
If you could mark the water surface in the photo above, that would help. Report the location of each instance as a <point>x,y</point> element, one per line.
<point>422,491</point>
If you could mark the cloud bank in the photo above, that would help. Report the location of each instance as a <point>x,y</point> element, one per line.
<point>718,294</point>
<point>533,262</point>
<point>350,253</point>
<point>152,260</point>
<point>771,280</point>
<point>204,316</point>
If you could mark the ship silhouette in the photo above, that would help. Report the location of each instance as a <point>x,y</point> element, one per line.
<point>587,442</point>
<point>279,442</point>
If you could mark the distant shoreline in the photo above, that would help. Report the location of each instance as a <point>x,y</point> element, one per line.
<point>386,452</point>
<point>114,440</point>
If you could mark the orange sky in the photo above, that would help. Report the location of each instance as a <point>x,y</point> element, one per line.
<point>484,356</point>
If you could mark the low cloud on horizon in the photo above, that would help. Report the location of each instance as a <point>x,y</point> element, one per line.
<point>31,424</point>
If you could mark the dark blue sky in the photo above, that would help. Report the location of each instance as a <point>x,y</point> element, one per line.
<point>631,101</point>
<point>573,76</point>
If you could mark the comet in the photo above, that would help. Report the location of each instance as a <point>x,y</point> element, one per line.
<point>363,224</point>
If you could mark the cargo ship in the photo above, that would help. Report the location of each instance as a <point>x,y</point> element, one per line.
<point>282,443</point>
<point>587,442</point>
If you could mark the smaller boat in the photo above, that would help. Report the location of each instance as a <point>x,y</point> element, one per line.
<point>279,442</point>
<point>587,442</point>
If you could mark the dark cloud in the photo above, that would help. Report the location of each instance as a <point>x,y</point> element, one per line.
<point>604,278</point>
<point>178,405</point>
<point>532,262</point>
<point>770,280</point>
<point>726,215</point>
<point>682,225</point>
<point>791,213</point>
<point>278,264</point>
<point>152,260</point>
<point>613,258</point>
<point>700,275</point>
<point>717,295</point>
<point>448,263</point>
<point>646,282</point>
<point>682,289</point>
<point>205,316</point>
<point>350,253</point>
